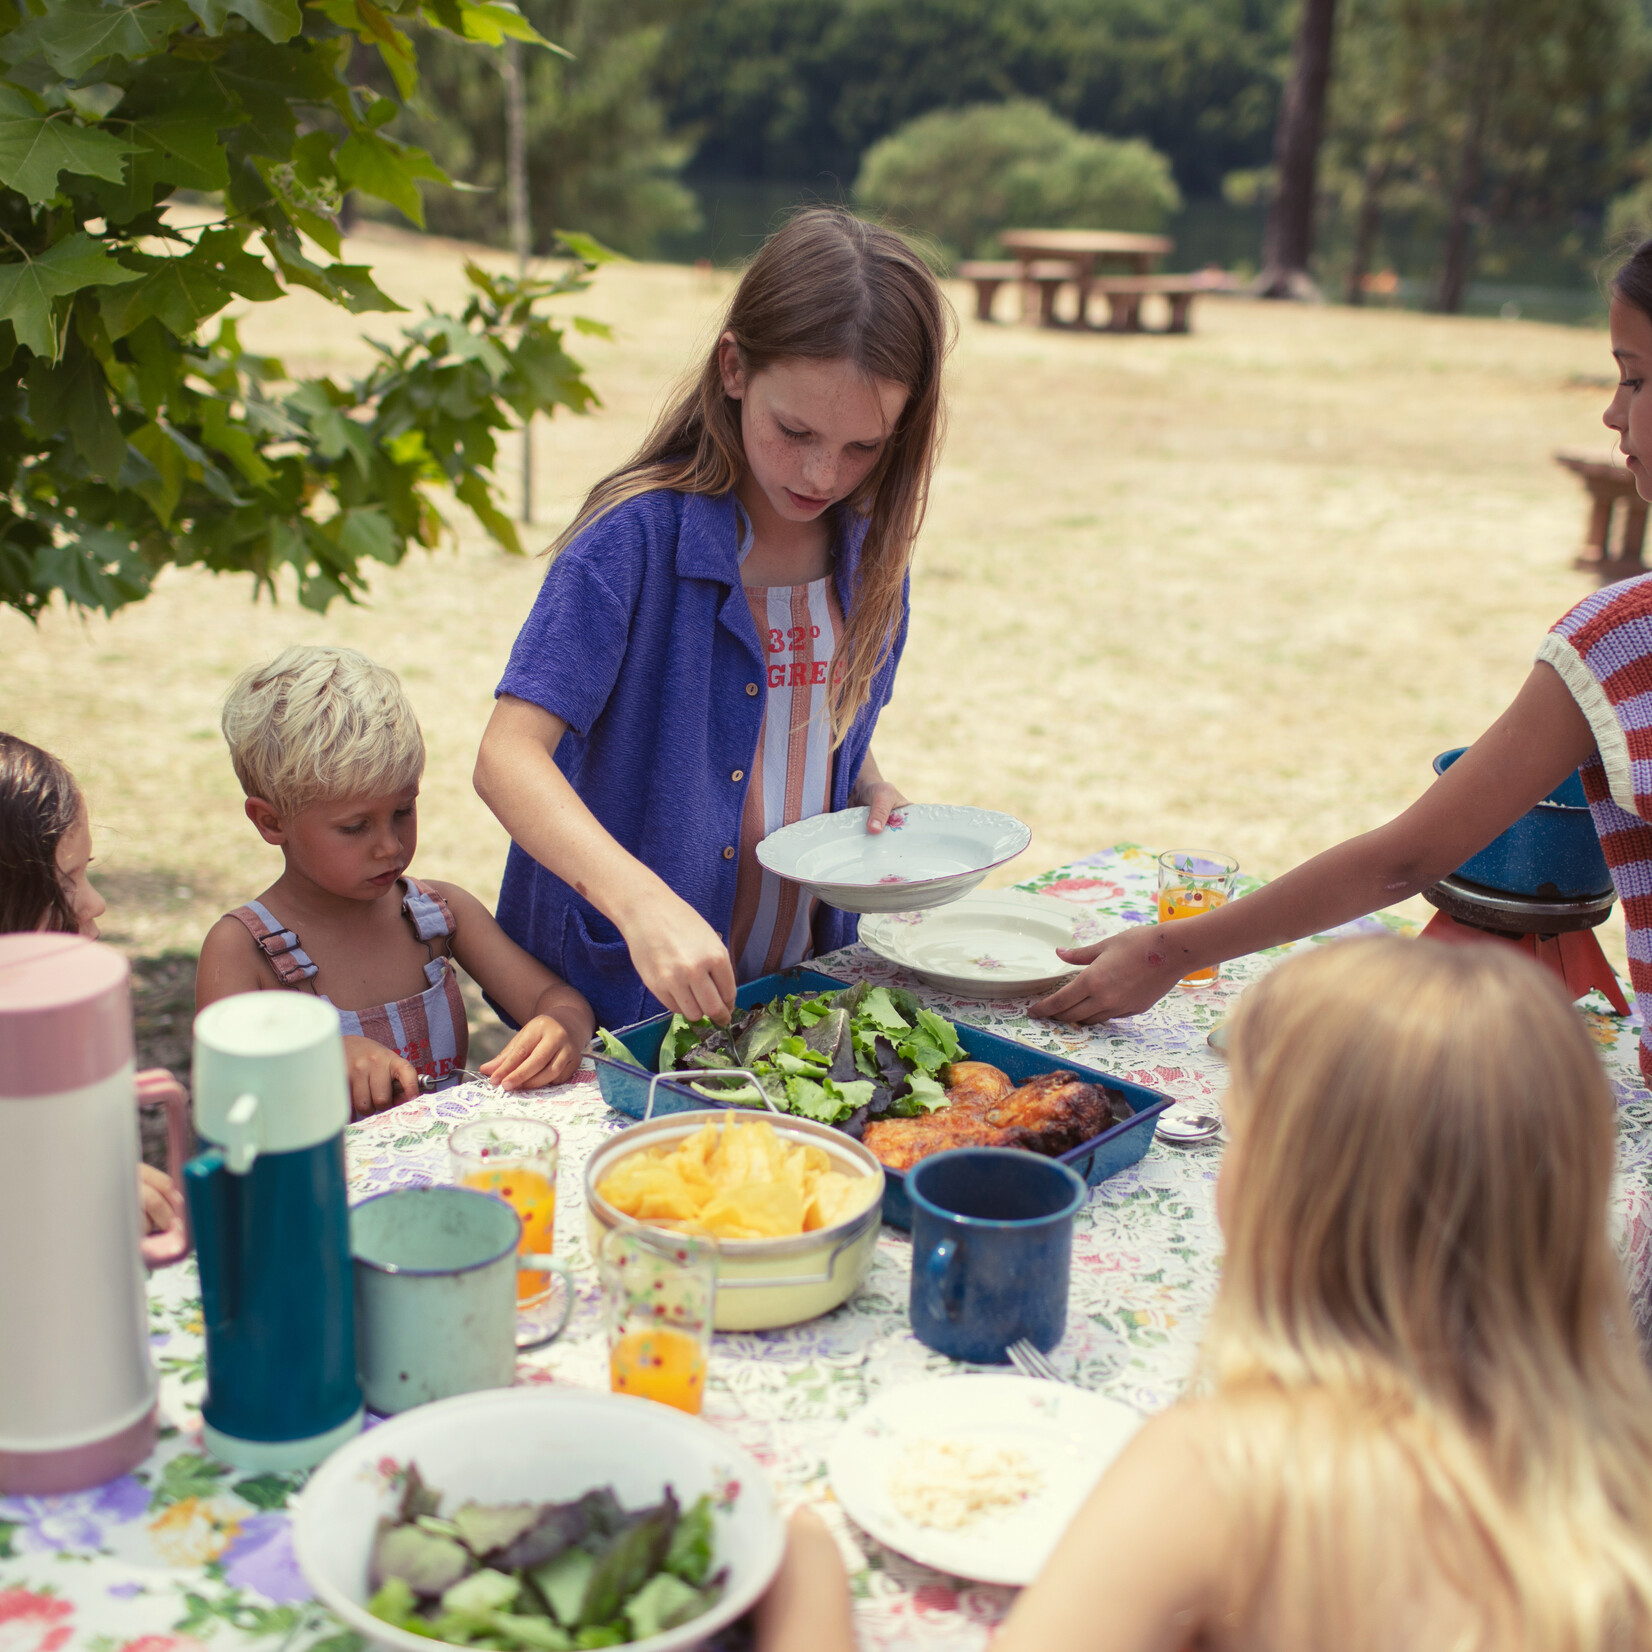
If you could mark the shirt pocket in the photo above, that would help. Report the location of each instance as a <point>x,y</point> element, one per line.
<point>598,962</point>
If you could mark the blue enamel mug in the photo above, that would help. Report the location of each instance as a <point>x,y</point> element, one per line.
<point>992,1241</point>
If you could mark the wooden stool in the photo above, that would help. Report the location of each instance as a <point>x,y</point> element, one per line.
<point>1040,282</point>
<point>1609,486</point>
<point>988,278</point>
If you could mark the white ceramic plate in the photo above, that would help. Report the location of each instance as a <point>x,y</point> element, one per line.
<point>541,1445</point>
<point>994,943</point>
<point>929,854</point>
<point>1069,1435</point>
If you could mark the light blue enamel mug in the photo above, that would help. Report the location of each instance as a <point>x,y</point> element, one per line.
<point>436,1275</point>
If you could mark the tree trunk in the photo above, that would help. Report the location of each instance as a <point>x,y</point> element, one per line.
<point>1288,241</point>
<point>516,174</point>
<point>1366,226</point>
<point>1454,266</point>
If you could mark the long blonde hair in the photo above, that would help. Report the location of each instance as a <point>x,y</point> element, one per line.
<point>1422,1343</point>
<point>826,286</point>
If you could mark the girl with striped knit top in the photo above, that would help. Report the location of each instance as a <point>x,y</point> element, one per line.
<point>1587,704</point>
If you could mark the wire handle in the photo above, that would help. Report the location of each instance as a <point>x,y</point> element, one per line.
<point>708,1072</point>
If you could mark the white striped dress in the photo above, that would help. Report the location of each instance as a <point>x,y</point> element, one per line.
<point>800,627</point>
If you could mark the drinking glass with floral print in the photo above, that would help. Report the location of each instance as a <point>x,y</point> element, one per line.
<point>1192,883</point>
<point>515,1159</point>
<point>658,1293</point>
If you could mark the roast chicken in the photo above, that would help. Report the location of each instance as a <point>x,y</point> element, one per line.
<point>1050,1114</point>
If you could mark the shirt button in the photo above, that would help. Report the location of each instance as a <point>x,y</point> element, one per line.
<point>738,775</point>
<point>751,688</point>
<point>728,853</point>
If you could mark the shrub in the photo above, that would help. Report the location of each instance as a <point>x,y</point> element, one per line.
<point>961,175</point>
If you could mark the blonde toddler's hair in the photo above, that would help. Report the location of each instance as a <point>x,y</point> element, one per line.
<point>1422,1347</point>
<point>319,723</point>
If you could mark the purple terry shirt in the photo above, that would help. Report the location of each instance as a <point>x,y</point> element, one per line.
<point>641,640</point>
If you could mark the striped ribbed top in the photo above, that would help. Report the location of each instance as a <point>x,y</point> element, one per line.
<point>1603,652</point>
<point>800,627</point>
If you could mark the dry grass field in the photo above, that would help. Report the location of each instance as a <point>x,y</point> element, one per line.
<point>1230,590</point>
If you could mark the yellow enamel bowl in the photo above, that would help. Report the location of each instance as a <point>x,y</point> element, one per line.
<point>762,1283</point>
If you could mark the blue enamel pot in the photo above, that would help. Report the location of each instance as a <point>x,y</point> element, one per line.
<point>1550,851</point>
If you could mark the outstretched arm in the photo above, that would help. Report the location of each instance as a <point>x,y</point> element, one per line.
<point>1517,762</point>
<point>679,956</point>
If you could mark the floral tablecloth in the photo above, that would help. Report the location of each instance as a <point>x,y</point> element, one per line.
<point>186,1554</point>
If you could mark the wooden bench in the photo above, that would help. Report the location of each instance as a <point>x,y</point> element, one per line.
<point>1124,295</point>
<point>1609,486</point>
<point>1047,276</point>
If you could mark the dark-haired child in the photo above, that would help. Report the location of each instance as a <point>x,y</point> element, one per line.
<point>1587,703</point>
<point>45,855</point>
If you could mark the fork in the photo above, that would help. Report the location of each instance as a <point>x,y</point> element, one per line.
<point>1030,1362</point>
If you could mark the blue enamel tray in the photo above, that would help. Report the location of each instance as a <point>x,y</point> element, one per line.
<point>625,1088</point>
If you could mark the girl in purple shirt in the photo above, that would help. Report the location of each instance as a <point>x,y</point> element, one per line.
<point>629,720</point>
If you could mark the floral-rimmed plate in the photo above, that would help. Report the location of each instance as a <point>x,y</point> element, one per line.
<point>994,943</point>
<point>1067,1435</point>
<point>928,854</point>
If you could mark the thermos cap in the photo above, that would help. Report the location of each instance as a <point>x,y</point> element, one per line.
<point>65,1013</point>
<point>285,1050</point>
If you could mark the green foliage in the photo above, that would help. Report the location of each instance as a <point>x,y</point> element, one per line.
<point>960,176</point>
<point>799,88</point>
<point>598,150</point>
<point>1491,111</point>
<point>128,438</point>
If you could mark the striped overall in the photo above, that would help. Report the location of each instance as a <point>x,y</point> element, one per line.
<point>429,1029</point>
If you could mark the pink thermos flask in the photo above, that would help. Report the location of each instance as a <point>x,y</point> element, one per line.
<point>77,1387</point>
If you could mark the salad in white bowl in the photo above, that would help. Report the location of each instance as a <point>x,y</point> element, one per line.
<point>564,1520</point>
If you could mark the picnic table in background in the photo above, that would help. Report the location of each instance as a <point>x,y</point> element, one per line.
<point>187,1555</point>
<point>1043,261</point>
<point>1612,493</point>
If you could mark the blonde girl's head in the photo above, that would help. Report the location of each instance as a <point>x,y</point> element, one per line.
<point>320,724</point>
<point>826,287</point>
<point>1421,1318</point>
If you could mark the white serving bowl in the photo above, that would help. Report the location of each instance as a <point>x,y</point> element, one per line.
<point>929,854</point>
<point>551,1444</point>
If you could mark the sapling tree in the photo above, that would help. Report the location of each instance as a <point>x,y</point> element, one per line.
<point>162,160</point>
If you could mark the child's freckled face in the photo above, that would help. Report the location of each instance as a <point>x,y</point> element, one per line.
<point>1630,410</point>
<point>812,430</point>
<point>358,847</point>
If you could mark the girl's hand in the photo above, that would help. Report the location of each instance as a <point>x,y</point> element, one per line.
<point>881,800</point>
<point>543,1053</point>
<point>379,1078</point>
<point>1124,975</point>
<point>163,1204</point>
<point>682,960</point>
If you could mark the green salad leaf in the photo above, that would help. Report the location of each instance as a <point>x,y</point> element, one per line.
<point>612,1576</point>
<point>612,1046</point>
<point>689,1556</point>
<point>823,1056</point>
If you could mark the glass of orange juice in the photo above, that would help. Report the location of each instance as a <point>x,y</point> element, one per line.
<point>515,1159</point>
<point>1192,882</point>
<point>658,1291</point>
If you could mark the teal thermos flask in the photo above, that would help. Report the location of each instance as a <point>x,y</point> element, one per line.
<point>272,1230</point>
